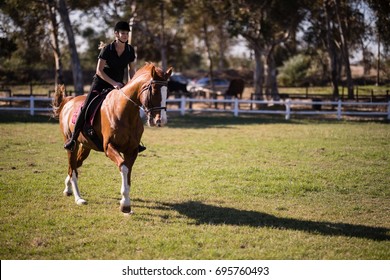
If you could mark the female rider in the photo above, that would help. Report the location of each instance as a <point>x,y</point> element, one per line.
<point>112,61</point>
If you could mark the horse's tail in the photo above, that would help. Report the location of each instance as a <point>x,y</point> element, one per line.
<point>59,100</point>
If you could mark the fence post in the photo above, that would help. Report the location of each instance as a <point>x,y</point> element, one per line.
<point>388,111</point>
<point>288,109</point>
<point>32,109</point>
<point>339,110</point>
<point>235,107</point>
<point>183,105</point>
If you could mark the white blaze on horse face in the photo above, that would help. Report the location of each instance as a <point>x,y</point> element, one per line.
<point>164,94</point>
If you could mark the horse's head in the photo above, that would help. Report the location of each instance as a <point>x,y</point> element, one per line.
<point>154,96</point>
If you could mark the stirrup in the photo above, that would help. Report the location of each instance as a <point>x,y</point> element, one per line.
<point>70,145</point>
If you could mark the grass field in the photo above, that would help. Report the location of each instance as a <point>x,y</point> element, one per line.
<point>207,187</point>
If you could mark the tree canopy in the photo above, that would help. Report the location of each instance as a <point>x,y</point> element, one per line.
<point>192,35</point>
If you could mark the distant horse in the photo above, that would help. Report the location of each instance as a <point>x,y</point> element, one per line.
<point>117,124</point>
<point>235,89</point>
<point>177,89</point>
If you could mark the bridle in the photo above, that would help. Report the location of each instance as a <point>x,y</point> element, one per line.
<point>148,88</point>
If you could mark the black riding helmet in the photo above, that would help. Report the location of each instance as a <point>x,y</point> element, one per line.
<point>122,25</point>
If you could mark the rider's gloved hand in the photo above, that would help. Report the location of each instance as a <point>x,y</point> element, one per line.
<point>118,85</point>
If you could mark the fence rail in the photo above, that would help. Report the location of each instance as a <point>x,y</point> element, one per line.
<point>286,107</point>
<point>30,101</point>
<point>185,105</point>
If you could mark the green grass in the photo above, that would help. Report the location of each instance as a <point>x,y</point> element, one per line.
<point>213,187</point>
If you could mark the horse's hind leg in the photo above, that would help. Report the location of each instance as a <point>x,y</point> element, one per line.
<point>71,184</point>
<point>71,187</point>
<point>82,155</point>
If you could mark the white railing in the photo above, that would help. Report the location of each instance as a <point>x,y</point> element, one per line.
<point>31,100</point>
<point>184,105</point>
<point>290,107</point>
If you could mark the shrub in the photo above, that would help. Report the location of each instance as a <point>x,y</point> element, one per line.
<point>294,71</point>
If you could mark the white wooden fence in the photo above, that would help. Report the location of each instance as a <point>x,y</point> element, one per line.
<point>291,107</point>
<point>185,105</point>
<point>31,100</point>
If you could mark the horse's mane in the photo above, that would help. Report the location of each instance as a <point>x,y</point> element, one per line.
<point>146,69</point>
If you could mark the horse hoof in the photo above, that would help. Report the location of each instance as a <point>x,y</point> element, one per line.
<point>68,194</point>
<point>126,209</point>
<point>128,214</point>
<point>81,201</point>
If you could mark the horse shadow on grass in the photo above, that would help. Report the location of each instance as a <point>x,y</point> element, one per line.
<point>216,215</point>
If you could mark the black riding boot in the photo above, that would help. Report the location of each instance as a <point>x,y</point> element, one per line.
<point>69,145</point>
<point>141,148</point>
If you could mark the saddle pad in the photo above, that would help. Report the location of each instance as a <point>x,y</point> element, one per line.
<point>76,113</point>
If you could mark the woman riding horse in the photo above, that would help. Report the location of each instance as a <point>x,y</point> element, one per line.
<point>113,59</point>
<point>117,124</point>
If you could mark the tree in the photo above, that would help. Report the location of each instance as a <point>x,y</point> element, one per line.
<point>52,13</point>
<point>33,20</point>
<point>342,21</point>
<point>26,29</point>
<point>204,22</point>
<point>265,25</point>
<point>76,66</point>
<point>336,26</point>
<point>331,48</point>
<point>382,11</point>
<point>157,30</point>
<point>180,32</point>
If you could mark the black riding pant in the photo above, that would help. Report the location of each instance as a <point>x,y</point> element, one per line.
<point>98,85</point>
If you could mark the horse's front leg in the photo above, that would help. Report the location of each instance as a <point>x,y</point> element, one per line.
<point>125,190</point>
<point>125,167</point>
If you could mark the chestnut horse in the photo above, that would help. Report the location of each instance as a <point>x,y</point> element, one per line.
<point>118,125</point>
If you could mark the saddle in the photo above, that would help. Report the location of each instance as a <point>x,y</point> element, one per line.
<point>90,114</point>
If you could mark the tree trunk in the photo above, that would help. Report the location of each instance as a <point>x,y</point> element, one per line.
<point>331,50</point>
<point>271,82</point>
<point>378,62</point>
<point>345,50</point>
<point>76,66</point>
<point>131,21</point>
<point>208,48</point>
<point>222,47</point>
<point>163,47</point>
<point>259,72</point>
<point>51,10</point>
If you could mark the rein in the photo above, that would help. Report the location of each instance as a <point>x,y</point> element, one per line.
<point>148,87</point>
